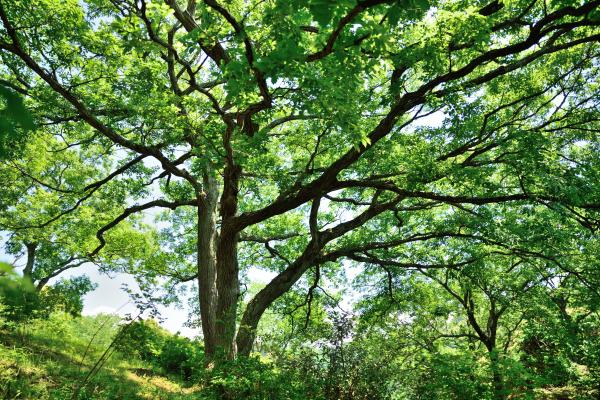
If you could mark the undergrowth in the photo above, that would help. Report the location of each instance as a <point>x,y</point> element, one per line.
<point>52,359</point>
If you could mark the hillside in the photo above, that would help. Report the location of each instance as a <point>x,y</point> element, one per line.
<point>50,360</point>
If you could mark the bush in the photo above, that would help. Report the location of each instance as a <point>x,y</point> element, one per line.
<point>175,354</point>
<point>451,375</point>
<point>181,356</point>
<point>143,339</point>
<point>18,299</point>
<point>251,379</point>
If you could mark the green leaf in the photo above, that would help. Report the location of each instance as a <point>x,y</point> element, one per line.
<point>322,10</point>
<point>15,122</point>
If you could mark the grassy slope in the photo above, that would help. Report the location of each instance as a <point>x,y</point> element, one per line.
<point>43,361</point>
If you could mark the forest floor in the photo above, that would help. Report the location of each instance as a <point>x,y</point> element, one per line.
<point>42,363</point>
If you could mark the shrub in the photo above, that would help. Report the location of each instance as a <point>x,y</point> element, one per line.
<point>251,379</point>
<point>143,339</point>
<point>175,354</point>
<point>451,375</point>
<point>181,356</point>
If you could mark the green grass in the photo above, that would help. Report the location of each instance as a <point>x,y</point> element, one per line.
<point>45,360</point>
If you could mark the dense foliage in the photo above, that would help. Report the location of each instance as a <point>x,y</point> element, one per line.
<point>418,179</point>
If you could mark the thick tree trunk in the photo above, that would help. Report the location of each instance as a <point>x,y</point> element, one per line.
<point>206,258</point>
<point>228,285</point>
<point>42,284</point>
<point>257,306</point>
<point>497,382</point>
<point>284,281</point>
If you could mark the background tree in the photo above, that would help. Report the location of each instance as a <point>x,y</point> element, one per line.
<point>46,226</point>
<point>490,330</point>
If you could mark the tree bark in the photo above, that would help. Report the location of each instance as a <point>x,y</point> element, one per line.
<point>284,281</point>
<point>228,289</point>
<point>42,283</point>
<point>28,270</point>
<point>228,285</point>
<point>206,263</point>
<point>497,382</point>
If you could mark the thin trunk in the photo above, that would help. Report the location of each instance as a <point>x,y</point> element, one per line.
<point>492,331</point>
<point>488,338</point>
<point>28,270</point>
<point>66,265</point>
<point>207,291</point>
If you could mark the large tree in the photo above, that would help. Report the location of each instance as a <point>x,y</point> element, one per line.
<point>298,130</point>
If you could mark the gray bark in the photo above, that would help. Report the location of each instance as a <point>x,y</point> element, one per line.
<point>207,290</point>
<point>28,270</point>
<point>228,285</point>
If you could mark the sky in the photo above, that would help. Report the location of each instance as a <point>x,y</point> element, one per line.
<point>109,297</point>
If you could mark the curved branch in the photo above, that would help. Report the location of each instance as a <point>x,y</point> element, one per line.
<point>343,22</point>
<point>135,209</point>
